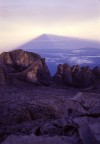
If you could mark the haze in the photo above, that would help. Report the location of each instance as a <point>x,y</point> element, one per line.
<point>22,20</point>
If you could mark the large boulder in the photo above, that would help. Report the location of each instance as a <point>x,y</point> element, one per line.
<point>25,66</point>
<point>88,134</point>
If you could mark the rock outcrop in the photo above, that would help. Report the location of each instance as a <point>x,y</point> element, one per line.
<point>80,77</point>
<point>26,66</point>
<point>21,66</point>
<point>72,117</point>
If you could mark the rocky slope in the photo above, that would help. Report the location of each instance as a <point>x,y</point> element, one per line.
<point>32,114</point>
<point>49,114</point>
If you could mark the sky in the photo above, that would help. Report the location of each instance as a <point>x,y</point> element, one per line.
<point>23,20</point>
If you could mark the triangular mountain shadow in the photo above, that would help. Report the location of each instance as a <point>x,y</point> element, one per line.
<point>47,41</point>
<point>41,42</point>
<point>43,37</point>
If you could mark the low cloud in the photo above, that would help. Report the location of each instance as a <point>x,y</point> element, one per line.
<point>80,60</point>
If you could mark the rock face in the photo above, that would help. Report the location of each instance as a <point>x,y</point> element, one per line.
<point>77,76</point>
<point>25,66</point>
<point>2,76</point>
<point>64,74</point>
<point>34,115</point>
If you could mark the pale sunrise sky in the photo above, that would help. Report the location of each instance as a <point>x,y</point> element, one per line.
<point>23,20</point>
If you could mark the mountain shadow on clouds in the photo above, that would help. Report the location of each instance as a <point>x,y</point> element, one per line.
<point>47,41</point>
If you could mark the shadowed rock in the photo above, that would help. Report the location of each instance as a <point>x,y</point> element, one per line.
<point>32,139</point>
<point>85,132</point>
<point>96,71</point>
<point>2,76</point>
<point>47,111</point>
<point>80,77</point>
<point>64,74</point>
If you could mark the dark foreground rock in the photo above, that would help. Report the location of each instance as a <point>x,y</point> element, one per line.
<point>25,66</point>
<point>32,139</point>
<point>2,76</point>
<point>48,114</point>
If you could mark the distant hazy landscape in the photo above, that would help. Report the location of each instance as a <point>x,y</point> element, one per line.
<point>59,49</point>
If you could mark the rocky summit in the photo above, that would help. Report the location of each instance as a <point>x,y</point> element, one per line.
<point>36,108</point>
